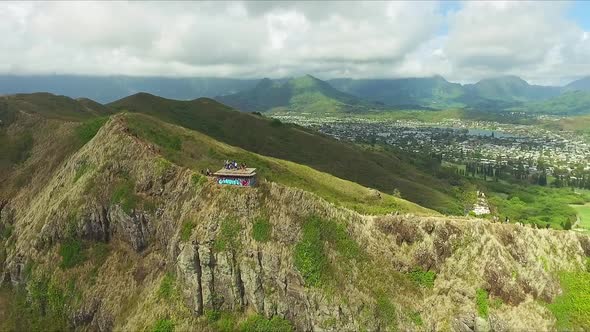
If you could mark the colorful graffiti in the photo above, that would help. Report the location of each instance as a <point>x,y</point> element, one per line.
<point>242,182</point>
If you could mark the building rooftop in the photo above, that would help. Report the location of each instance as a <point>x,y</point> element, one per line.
<point>245,172</point>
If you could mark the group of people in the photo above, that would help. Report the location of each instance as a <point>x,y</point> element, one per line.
<point>229,164</point>
<point>232,164</point>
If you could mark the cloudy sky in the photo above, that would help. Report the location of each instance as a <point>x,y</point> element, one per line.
<point>543,42</point>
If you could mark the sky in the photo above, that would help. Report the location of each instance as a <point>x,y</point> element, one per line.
<point>542,42</point>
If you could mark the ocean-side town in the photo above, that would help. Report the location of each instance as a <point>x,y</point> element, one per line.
<point>532,148</point>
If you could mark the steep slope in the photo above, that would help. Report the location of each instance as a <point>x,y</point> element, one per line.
<point>134,243</point>
<point>303,94</point>
<point>106,89</point>
<point>380,170</point>
<point>37,132</point>
<point>435,92</point>
<point>583,84</point>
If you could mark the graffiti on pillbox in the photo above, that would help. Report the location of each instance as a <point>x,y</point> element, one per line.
<point>234,182</point>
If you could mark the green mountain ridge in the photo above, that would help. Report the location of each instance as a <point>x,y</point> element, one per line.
<point>338,96</point>
<point>435,92</point>
<point>582,84</point>
<point>511,89</point>
<point>575,102</point>
<point>106,89</point>
<point>302,94</point>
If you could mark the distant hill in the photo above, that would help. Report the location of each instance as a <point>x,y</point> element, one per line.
<point>308,94</point>
<point>511,89</point>
<point>302,94</point>
<point>435,92</point>
<point>380,170</point>
<point>51,106</point>
<point>568,103</point>
<point>582,84</point>
<point>106,89</point>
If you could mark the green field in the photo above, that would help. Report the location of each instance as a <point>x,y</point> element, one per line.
<point>584,215</point>
<point>542,206</point>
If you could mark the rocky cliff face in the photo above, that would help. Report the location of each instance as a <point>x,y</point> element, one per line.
<point>137,239</point>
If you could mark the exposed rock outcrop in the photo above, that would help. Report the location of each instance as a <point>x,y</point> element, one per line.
<point>148,238</point>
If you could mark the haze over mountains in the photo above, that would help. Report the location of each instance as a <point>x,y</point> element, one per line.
<point>312,95</point>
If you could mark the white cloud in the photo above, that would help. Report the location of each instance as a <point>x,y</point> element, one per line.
<point>284,38</point>
<point>531,39</point>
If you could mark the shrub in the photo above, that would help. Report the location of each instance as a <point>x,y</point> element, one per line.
<point>226,322</point>
<point>481,299</point>
<point>166,289</point>
<point>423,278</point>
<point>416,318</point>
<point>572,306</point>
<point>82,169</point>
<point>163,325</point>
<point>47,305</point>
<point>198,180</point>
<point>385,310</point>
<point>71,253</point>
<point>310,258</point>
<point>261,230</point>
<point>99,254</point>
<point>228,235</point>
<point>125,196</point>
<point>186,230</point>
<point>5,231</point>
<point>258,323</point>
<point>162,165</point>
<point>212,315</point>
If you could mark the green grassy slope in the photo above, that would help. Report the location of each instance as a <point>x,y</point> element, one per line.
<point>38,131</point>
<point>583,212</point>
<point>303,94</point>
<point>198,152</point>
<point>380,170</point>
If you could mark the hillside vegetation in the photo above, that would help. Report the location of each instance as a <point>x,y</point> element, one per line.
<point>114,228</point>
<point>374,169</point>
<point>121,237</point>
<point>199,152</point>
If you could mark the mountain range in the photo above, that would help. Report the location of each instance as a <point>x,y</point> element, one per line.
<point>306,94</point>
<point>311,95</point>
